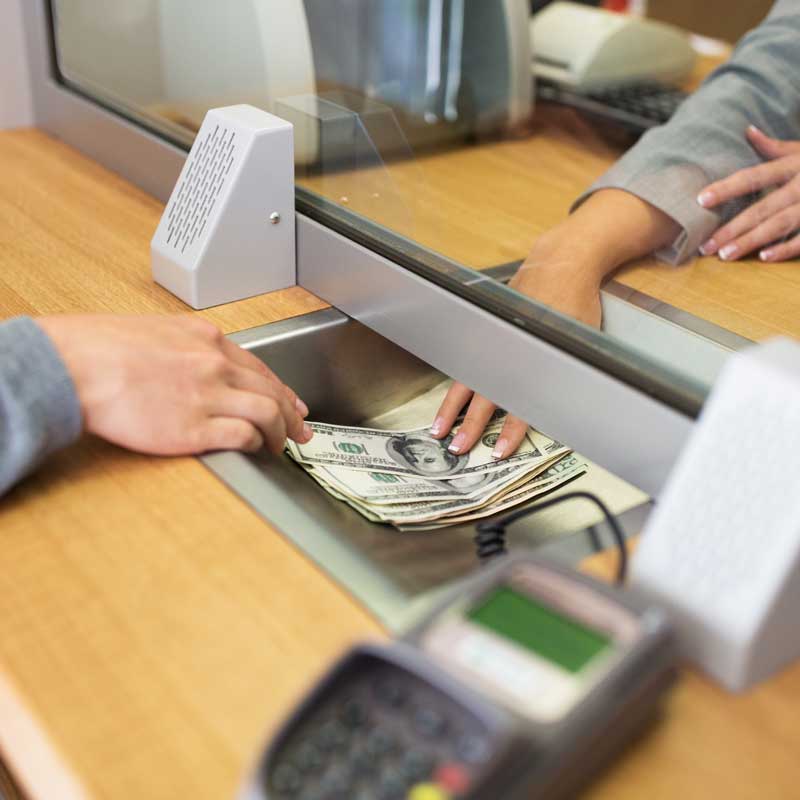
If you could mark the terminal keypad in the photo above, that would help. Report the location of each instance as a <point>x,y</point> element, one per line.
<point>381,734</point>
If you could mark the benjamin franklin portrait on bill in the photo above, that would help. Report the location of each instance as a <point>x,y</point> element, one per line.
<point>425,455</point>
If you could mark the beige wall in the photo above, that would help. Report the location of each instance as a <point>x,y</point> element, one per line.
<point>15,96</point>
<point>722,19</point>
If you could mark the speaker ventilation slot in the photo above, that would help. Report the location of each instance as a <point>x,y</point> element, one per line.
<point>202,184</point>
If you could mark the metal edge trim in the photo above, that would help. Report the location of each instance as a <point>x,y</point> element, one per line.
<point>658,308</point>
<point>589,345</point>
<point>378,596</point>
<point>636,436</point>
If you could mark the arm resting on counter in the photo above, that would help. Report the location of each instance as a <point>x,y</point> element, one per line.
<point>705,140</point>
<point>564,271</point>
<point>568,264</point>
<point>164,385</point>
<point>39,408</point>
<point>648,201</point>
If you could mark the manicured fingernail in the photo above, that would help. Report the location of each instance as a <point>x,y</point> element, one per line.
<point>756,129</point>
<point>708,248</point>
<point>728,252</point>
<point>706,199</point>
<point>438,426</point>
<point>457,445</point>
<point>302,408</point>
<point>308,431</point>
<point>500,448</point>
<point>766,255</point>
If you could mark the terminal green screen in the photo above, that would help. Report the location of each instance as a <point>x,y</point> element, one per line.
<point>539,629</point>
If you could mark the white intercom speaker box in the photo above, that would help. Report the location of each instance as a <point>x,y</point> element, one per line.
<point>228,230</point>
<point>722,549</point>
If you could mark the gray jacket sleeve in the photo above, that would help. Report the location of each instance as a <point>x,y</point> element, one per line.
<point>705,139</point>
<point>39,409</point>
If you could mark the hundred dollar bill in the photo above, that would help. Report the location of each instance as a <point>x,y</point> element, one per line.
<point>432,511</point>
<point>362,509</point>
<point>386,488</point>
<point>535,490</point>
<point>333,492</point>
<point>414,452</point>
<point>457,509</point>
<point>418,509</point>
<point>569,465</point>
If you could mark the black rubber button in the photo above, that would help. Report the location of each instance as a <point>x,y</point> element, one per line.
<point>308,758</point>
<point>417,765</point>
<point>429,723</point>
<point>380,744</point>
<point>392,693</point>
<point>353,714</point>
<point>332,736</point>
<point>473,749</point>
<point>285,779</point>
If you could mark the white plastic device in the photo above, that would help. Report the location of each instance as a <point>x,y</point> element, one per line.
<point>585,48</point>
<point>722,549</point>
<point>228,229</point>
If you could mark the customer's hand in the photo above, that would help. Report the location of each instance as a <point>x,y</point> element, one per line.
<point>769,225</point>
<point>173,385</point>
<point>565,270</point>
<point>563,282</point>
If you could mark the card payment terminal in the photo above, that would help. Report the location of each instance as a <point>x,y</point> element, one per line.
<point>520,685</point>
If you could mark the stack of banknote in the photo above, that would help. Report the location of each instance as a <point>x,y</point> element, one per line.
<point>408,479</point>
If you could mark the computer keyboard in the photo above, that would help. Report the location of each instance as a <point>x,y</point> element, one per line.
<point>635,106</point>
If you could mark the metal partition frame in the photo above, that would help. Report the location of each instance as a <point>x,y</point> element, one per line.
<point>117,143</point>
<point>633,434</point>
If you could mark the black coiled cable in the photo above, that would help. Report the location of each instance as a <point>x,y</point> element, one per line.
<point>490,536</point>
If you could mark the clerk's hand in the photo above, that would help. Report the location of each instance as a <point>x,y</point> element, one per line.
<point>173,385</point>
<point>565,270</point>
<point>767,224</point>
<point>557,280</point>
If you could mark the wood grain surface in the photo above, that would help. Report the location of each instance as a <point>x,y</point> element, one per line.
<point>151,622</point>
<point>75,238</point>
<point>153,628</point>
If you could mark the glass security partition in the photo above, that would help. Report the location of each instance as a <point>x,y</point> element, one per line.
<point>419,136</point>
<point>425,170</point>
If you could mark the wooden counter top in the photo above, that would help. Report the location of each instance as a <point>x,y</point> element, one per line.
<point>150,621</point>
<point>153,628</point>
<point>75,238</point>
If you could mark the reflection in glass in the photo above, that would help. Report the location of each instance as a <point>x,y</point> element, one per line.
<point>341,142</point>
<point>415,116</point>
<point>418,76</point>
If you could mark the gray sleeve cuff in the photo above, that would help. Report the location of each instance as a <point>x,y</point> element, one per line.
<point>705,139</point>
<point>674,191</point>
<point>39,408</point>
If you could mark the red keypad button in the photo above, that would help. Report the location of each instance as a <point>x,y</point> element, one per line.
<point>453,777</point>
